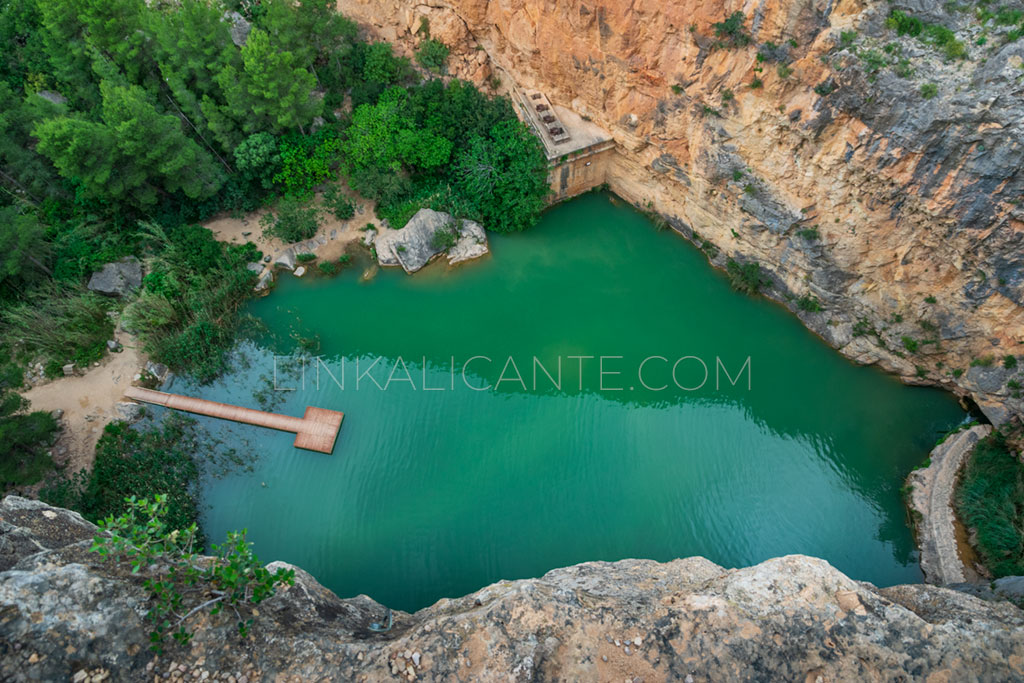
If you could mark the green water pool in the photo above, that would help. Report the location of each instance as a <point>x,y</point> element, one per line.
<point>436,488</point>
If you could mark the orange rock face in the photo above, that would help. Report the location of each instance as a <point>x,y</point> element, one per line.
<point>913,200</point>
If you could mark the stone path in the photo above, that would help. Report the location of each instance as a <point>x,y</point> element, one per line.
<point>932,499</point>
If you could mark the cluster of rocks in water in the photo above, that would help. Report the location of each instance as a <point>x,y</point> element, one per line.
<point>65,614</point>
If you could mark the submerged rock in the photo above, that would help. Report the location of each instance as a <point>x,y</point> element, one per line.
<point>415,245</point>
<point>791,618</point>
<point>118,278</point>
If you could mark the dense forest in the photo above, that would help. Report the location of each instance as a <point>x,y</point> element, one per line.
<point>124,124</point>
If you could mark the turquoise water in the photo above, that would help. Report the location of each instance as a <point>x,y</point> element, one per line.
<point>435,489</point>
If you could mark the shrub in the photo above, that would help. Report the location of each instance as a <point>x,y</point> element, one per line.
<point>307,161</point>
<point>294,221</point>
<point>756,83</point>
<point>24,436</point>
<point>727,95</point>
<point>929,90</point>
<point>328,268</point>
<point>930,299</point>
<point>339,204</point>
<point>983,362</point>
<point>909,343</point>
<point>731,30</point>
<point>809,303</point>
<point>809,234</point>
<point>677,89</point>
<point>737,175</point>
<point>784,71</point>
<point>257,158</point>
<point>847,38</point>
<point>305,258</point>
<point>61,323</point>
<point>826,88</point>
<point>432,55</point>
<point>445,238</point>
<point>990,500</point>
<point>345,259</point>
<point>904,24</point>
<point>1009,362</point>
<point>180,582</point>
<point>746,277</point>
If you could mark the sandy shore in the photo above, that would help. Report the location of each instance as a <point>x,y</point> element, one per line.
<point>89,402</point>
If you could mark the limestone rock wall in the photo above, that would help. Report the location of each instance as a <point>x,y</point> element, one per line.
<point>64,615</point>
<point>913,198</point>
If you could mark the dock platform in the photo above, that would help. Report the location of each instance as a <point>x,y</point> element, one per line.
<point>317,430</point>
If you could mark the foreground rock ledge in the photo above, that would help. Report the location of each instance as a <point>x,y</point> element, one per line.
<point>65,616</point>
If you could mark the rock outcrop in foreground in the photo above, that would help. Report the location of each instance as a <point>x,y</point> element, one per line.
<point>64,615</point>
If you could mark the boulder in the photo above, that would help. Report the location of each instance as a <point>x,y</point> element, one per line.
<point>413,247</point>
<point>128,411</point>
<point>266,279</point>
<point>113,345</point>
<point>69,369</point>
<point>300,271</point>
<point>118,278</point>
<point>286,259</point>
<point>158,370</point>
<point>240,28</point>
<point>254,267</point>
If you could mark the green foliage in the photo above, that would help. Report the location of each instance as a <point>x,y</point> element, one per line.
<point>929,90</point>
<point>933,34</point>
<point>737,175</point>
<point>756,83</point>
<point>825,89</point>
<point>809,303</point>
<point>677,89</point>
<point>23,250</point>
<point>305,257</point>
<point>432,55</point>
<point>272,91</point>
<point>910,344</point>
<point>258,159</point>
<point>847,38</point>
<point>180,582</point>
<point>930,299</point>
<point>60,323</point>
<point>143,462</point>
<point>188,310</point>
<point>784,71</point>
<point>338,203</point>
<point>990,500</point>
<point>809,234</point>
<point>328,268</point>
<point>380,66</point>
<point>730,32</point>
<point>293,221</point>
<point>307,161</point>
<point>904,24</point>
<point>445,237</point>
<point>985,361</point>
<point>747,277</point>
<point>1009,362</point>
<point>24,436</point>
<point>501,179</point>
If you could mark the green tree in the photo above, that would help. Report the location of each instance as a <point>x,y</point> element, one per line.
<point>385,136</point>
<point>23,435</point>
<point>432,55</point>
<point>134,154</point>
<point>25,174</point>
<point>273,92</point>
<point>503,177</point>
<point>259,159</point>
<point>22,247</point>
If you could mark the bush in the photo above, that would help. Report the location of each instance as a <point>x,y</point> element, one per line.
<point>432,55</point>
<point>24,437</point>
<point>338,203</point>
<point>909,343</point>
<point>294,221</point>
<point>809,303</point>
<point>904,24</point>
<point>809,234</point>
<point>990,499</point>
<point>61,323</point>
<point>305,258</point>
<point>746,277</point>
<point>929,90</point>
<point>180,582</point>
<point>258,159</point>
<point>445,238</point>
<point>307,161</point>
<point>328,268</point>
<point>1009,362</point>
<point>137,462</point>
<point>784,71</point>
<point>731,30</point>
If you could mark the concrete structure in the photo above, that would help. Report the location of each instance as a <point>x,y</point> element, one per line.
<point>315,431</point>
<point>578,151</point>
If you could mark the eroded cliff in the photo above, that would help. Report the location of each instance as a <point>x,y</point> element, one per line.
<point>812,149</point>
<point>66,615</point>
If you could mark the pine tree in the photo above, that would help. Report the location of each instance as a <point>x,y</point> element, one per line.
<point>272,92</point>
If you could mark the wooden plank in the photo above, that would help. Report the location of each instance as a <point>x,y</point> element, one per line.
<point>317,430</point>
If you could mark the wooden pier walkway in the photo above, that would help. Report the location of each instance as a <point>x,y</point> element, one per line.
<point>315,431</point>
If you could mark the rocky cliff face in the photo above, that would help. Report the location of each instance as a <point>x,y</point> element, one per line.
<point>66,615</point>
<point>897,209</point>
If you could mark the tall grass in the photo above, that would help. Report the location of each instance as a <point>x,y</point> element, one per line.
<point>59,322</point>
<point>991,500</point>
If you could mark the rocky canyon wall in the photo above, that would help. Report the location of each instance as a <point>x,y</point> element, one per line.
<point>812,150</point>
<point>67,615</point>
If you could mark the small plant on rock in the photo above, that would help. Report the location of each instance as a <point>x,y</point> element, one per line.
<point>182,583</point>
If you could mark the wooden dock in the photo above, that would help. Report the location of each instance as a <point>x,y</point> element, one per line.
<point>314,431</point>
